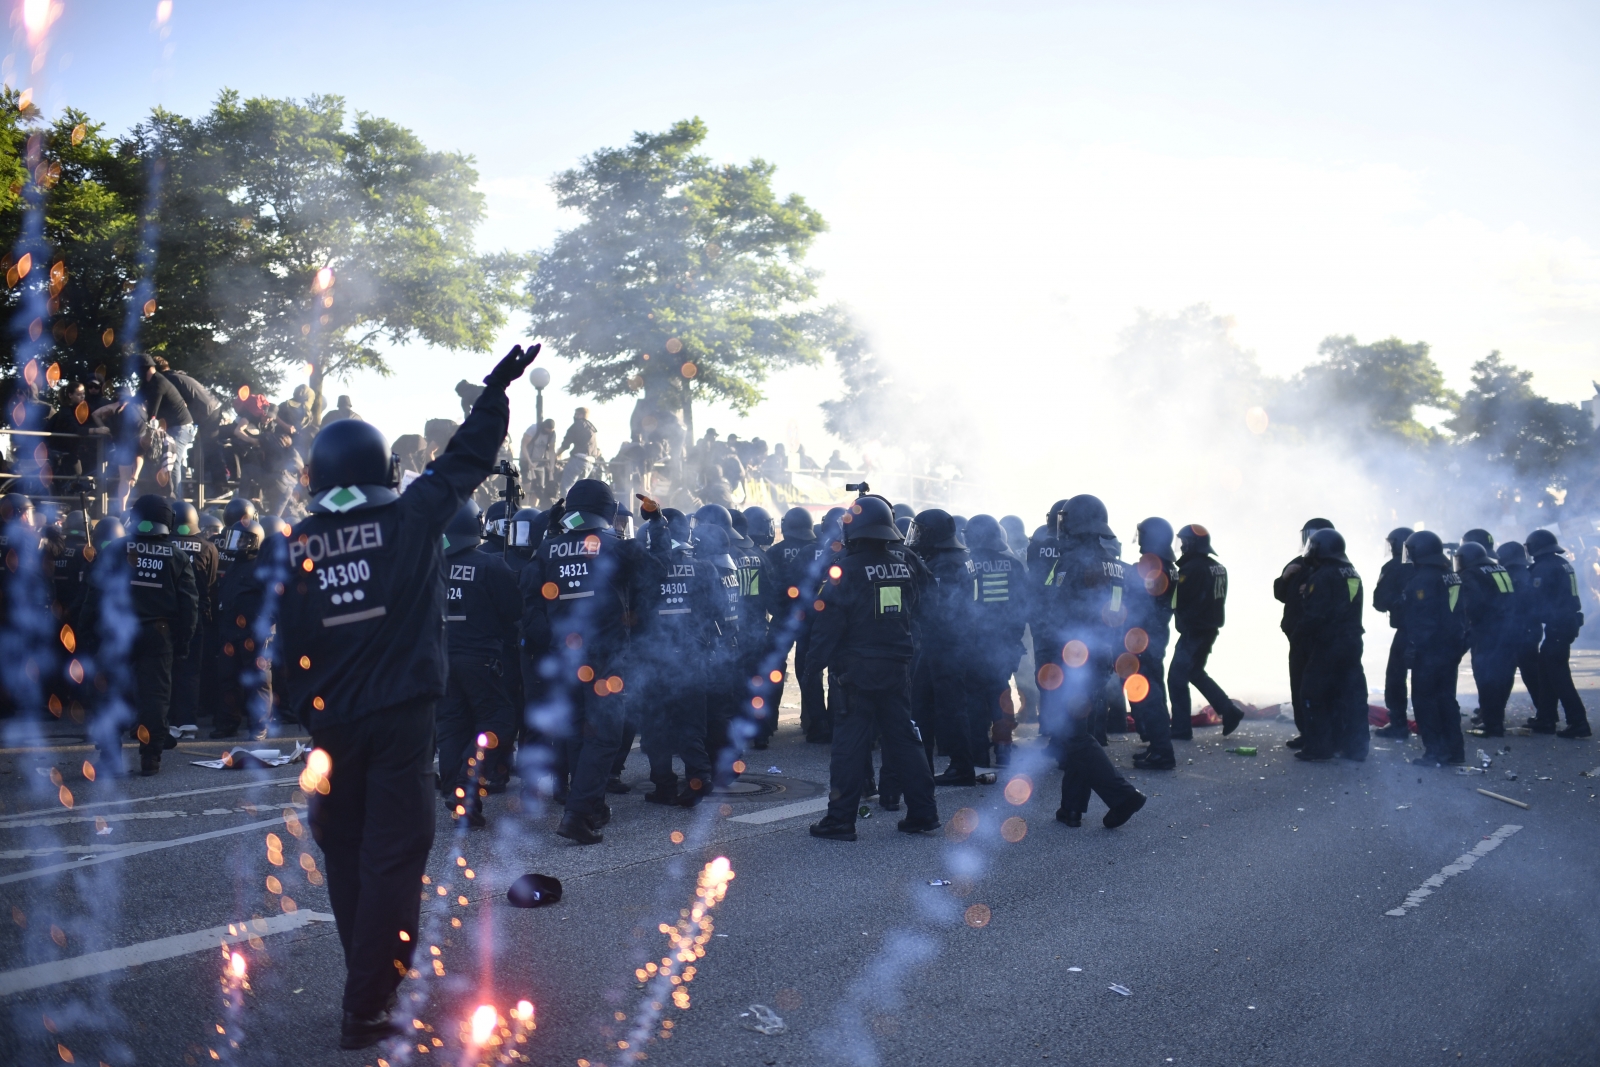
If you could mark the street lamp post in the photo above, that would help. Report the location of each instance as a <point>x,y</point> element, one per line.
<point>538,377</point>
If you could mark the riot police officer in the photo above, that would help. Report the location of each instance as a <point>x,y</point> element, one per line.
<point>759,599</point>
<point>1199,611</point>
<point>1436,626</point>
<point>475,720</point>
<point>72,567</point>
<point>244,691</point>
<point>1489,598</point>
<point>1150,596</point>
<point>944,667</point>
<point>165,598</point>
<point>1524,630</point>
<point>1092,617</point>
<point>863,631</point>
<point>1286,588</point>
<point>1329,626</point>
<point>799,562</point>
<point>361,636</point>
<point>1392,581</point>
<point>999,615</point>
<point>725,677</point>
<point>591,582</point>
<point>189,662</point>
<point>1558,608</point>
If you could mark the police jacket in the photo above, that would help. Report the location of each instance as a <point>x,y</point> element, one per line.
<point>1330,611</point>
<point>1435,621</point>
<point>1286,588</point>
<point>1090,596</point>
<point>482,605</point>
<point>1044,563</point>
<point>361,622</point>
<point>1524,626</point>
<point>946,613</point>
<point>70,571</point>
<point>1000,609</point>
<point>1489,599</point>
<point>1200,602</point>
<point>792,563</point>
<point>683,615</point>
<point>160,583</point>
<point>865,627</point>
<point>1386,595</point>
<point>240,595</point>
<point>759,595</point>
<point>591,583</point>
<point>1555,595</point>
<point>203,555</point>
<point>1152,590</point>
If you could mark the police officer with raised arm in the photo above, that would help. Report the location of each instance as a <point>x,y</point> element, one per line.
<point>361,634</point>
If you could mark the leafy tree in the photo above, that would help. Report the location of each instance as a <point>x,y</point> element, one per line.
<point>1507,423</point>
<point>1375,388</point>
<point>684,277</point>
<point>867,412</point>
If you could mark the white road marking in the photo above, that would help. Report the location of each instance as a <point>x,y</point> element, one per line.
<point>137,850</point>
<point>1462,864</point>
<point>55,850</point>
<point>165,948</point>
<point>134,816</point>
<point>784,811</point>
<point>9,819</point>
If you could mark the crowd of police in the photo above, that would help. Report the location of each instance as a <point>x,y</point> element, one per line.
<point>408,630</point>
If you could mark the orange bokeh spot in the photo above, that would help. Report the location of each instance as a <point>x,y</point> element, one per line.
<point>1135,640</point>
<point>776,676</point>
<point>1074,654</point>
<point>600,689</point>
<point>585,673</point>
<point>614,683</point>
<point>1127,665</point>
<point>1137,687</point>
<point>1050,676</point>
<point>549,590</point>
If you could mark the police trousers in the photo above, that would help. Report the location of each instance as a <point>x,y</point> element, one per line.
<point>1334,689</point>
<point>375,827</point>
<point>674,724</point>
<point>1085,767</point>
<point>475,703</point>
<point>1394,679</point>
<point>1433,701</point>
<point>152,676</point>
<point>596,737</point>
<point>1494,670</point>
<point>1556,686</point>
<point>882,712</point>
<point>1189,668</point>
<point>1151,712</point>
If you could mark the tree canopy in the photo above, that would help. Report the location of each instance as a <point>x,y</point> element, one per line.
<point>1505,422</point>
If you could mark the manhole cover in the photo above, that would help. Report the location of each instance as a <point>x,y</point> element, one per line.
<point>748,786</point>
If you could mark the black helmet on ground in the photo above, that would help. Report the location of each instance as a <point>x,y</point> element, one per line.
<point>797,526</point>
<point>350,468</point>
<point>1512,554</point>
<point>934,528</point>
<point>1085,516</point>
<point>1397,539</point>
<point>152,516</point>
<point>758,525</point>
<point>1541,543</point>
<point>240,507</point>
<point>1424,547</point>
<point>465,529</point>
<point>185,518</point>
<point>1196,540</point>
<point>244,536</point>
<point>871,520</point>
<point>984,532</point>
<point>1325,545</point>
<point>1155,537</point>
<point>1471,554</point>
<point>590,505</point>
<point>1479,536</point>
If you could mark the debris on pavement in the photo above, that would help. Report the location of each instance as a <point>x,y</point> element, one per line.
<point>1508,800</point>
<point>1121,989</point>
<point>236,758</point>
<point>534,891</point>
<point>1471,770</point>
<point>1075,970</point>
<point>763,1020</point>
<point>1401,807</point>
<point>1483,759</point>
<point>864,812</point>
<point>941,881</point>
<point>1243,750</point>
<point>773,770</point>
<point>1511,776</point>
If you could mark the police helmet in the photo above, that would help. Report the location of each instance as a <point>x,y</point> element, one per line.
<point>1541,543</point>
<point>591,505</point>
<point>15,507</point>
<point>831,523</point>
<point>465,529</point>
<point>711,543</point>
<point>351,468</point>
<point>1155,537</point>
<point>1085,515</point>
<point>108,530</point>
<point>1471,554</point>
<point>758,525</point>
<point>904,526</point>
<point>678,525</point>
<point>1196,540</point>
<point>1016,532</point>
<point>1397,539</point>
<point>211,523</point>
<point>1512,554</point>
<point>186,518</point>
<point>76,525</point>
<point>1052,518</point>
<point>983,531</point>
<point>152,516</point>
<point>1326,544</point>
<point>904,511</point>
<point>1479,536</point>
<point>873,520</point>
<point>1312,526</point>
<point>274,524</point>
<point>240,507</point>
<point>494,524</point>
<point>713,514</point>
<point>796,525</point>
<point>934,528</point>
<point>526,530</point>
<point>244,536</point>
<point>1424,546</point>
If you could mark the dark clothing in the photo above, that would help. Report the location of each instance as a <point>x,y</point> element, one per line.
<point>1188,668</point>
<point>1525,630</point>
<point>476,703</point>
<point>204,557</point>
<point>945,665</point>
<point>162,401</point>
<point>245,689</point>
<point>1555,595</point>
<point>1489,599</point>
<point>1200,600</point>
<point>680,626</point>
<point>1388,594</point>
<point>70,577</point>
<point>1286,588</point>
<point>363,628</point>
<point>375,827</point>
<point>1329,627</point>
<point>201,403</point>
<point>799,566</point>
<point>759,597</point>
<point>1556,686</point>
<point>482,605</point>
<point>1394,679</point>
<point>1151,595</point>
<point>1436,624</point>
<point>999,617</point>
<point>882,712</point>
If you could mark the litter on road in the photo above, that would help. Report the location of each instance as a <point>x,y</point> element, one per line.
<point>1508,800</point>
<point>763,1020</point>
<point>1243,750</point>
<point>237,758</point>
<point>1121,989</point>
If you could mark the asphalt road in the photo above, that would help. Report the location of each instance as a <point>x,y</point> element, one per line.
<point>1243,911</point>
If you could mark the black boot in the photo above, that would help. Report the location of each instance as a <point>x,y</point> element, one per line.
<point>575,827</point>
<point>1124,811</point>
<point>834,831</point>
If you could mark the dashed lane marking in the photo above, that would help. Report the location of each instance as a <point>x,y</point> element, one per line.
<point>136,850</point>
<point>784,811</point>
<point>10,819</point>
<point>1462,864</point>
<point>165,948</point>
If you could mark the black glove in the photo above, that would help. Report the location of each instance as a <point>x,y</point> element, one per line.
<point>553,517</point>
<point>510,369</point>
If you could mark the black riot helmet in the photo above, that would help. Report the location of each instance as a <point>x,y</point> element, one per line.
<point>525,531</point>
<point>1512,554</point>
<point>1471,554</point>
<point>678,524</point>
<point>712,544</point>
<point>1325,545</point>
<point>274,524</point>
<point>714,515</point>
<point>1155,538</point>
<point>1085,516</point>
<point>351,468</point>
<point>152,516</point>
<point>186,519</point>
<point>904,526</point>
<point>796,525</point>
<point>1541,543</point>
<point>244,537</point>
<point>871,519</point>
<point>1425,548</point>
<point>1196,540</point>
<point>1052,518</point>
<point>590,505</point>
<point>76,526</point>
<point>984,532</point>
<point>904,511</point>
<point>1397,540</point>
<point>211,523</point>
<point>1016,533</point>
<point>1479,536</point>
<point>1312,526</point>
<point>240,507</point>
<point>758,524</point>
<point>934,528</point>
<point>494,524</point>
<point>741,527</point>
<point>830,523</point>
<point>106,531</point>
<point>465,529</point>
